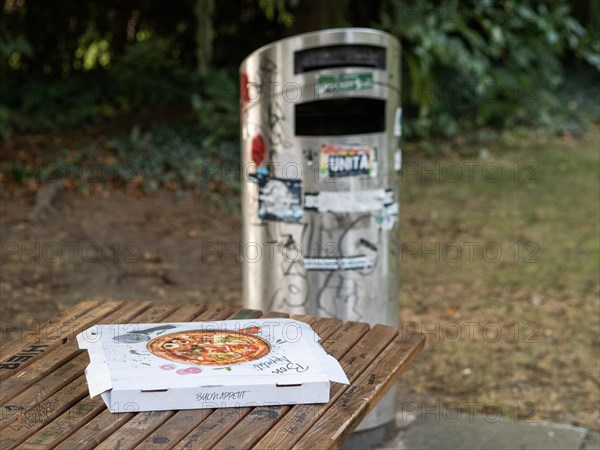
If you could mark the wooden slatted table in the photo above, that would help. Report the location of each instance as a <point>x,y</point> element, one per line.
<point>45,401</point>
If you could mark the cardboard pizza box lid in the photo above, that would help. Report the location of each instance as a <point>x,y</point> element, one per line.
<point>122,366</point>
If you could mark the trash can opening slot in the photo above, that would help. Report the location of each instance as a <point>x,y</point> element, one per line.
<point>340,116</point>
<point>335,56</point>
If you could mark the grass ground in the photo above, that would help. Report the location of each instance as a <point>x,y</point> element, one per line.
<point>500,267</point>
<point>501,270</point>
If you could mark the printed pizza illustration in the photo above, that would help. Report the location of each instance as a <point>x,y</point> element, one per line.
<point>211,348</point>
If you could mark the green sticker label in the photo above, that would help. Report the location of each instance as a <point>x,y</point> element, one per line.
<point>327,84</point>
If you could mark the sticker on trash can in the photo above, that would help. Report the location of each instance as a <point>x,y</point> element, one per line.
<point>346,161</point>
<point>258,150</point>
<point>345,202</point>
<point>279,199</point>
<point>398,160</point>
<point>398,122</point>
<point>348,263</point>
<point>330,84</point>
<point>387,219</point>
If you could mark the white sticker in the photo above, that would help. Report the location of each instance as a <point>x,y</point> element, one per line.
<point>387,219</point>
<point>374,164</point>
<point>398,160</point>
<point>348,263</point>
<point>398,122</point>
<point>342,202</point>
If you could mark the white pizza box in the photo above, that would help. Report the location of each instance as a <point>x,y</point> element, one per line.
<point>130,377</point>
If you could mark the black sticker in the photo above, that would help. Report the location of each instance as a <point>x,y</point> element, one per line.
<point>279,199</point>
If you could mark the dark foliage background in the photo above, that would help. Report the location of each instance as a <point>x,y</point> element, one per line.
<point>469,63</point>
<point>481,64</point>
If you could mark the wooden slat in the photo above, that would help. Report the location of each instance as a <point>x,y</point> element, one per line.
<point>301,418</point>
<point>67,316</point>
<point>325,327</point>
<point>24,424</point>
<point>37,393</point>
<point>245,314</point>
<point>106,423</point>
<point>213,427</point>
<point>58,357</point>
<point>31,352</point>
<point>278,314</point>
<point>302,317</point>
<point>59,378</point>
<point>185,421</point>
<point>256,424</point>
<point>354,404</point>
<point>42,414</point>
<point>65,424</point>
<point>222,421</point>
<point>84,411</point>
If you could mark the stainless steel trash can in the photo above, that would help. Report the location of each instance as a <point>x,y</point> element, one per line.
<point>321,120</point>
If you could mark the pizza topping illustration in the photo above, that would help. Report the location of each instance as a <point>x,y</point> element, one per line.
<point>188,371</point>
<point>211,348</point>
<point>251,330</point>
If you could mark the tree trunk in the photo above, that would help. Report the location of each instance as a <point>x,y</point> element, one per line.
<point>204,10</point>
<point>313,15</point>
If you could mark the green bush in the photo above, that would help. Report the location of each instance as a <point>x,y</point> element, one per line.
<point>486,62</point>
<point>216,104</point>
<point>4,123</point>
<point>465,64</point>
<point>149,73</point>
<point>42,105</point>
<point>173,157</point>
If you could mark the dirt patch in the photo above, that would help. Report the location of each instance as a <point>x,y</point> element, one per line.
<point>114,244</point>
